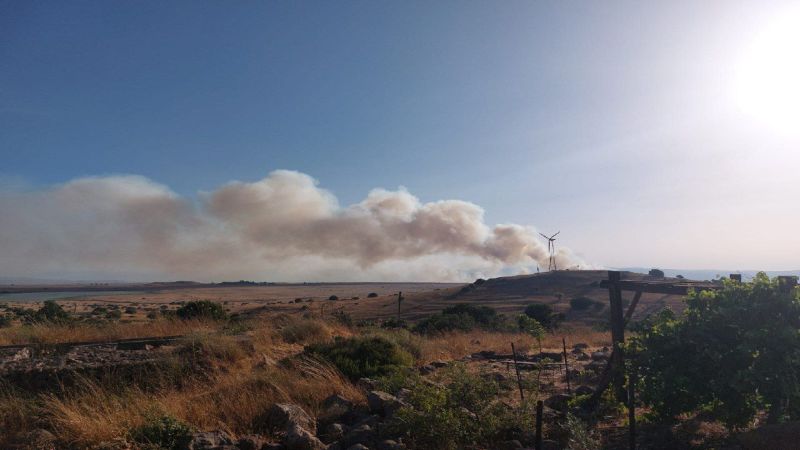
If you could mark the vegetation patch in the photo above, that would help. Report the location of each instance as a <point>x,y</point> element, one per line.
<point>360,357</point>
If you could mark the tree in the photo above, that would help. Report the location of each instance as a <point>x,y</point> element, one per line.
<point>51,312</point>
<point>733,352</point>
<point>201,309</point>
<point>541,312</point>
<point>656,273</point>
<point>532,327</point>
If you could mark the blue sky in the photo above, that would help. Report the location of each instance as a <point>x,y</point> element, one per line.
<point>611,121</point>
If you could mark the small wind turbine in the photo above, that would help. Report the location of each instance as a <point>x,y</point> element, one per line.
<point>551,247</point>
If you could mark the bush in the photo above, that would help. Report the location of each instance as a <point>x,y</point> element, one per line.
<point>460,412</point>
<point>5,320</point>
<point>99,310</point>
<point>372,295</point>
<point>152,315</point>
<point>51,312</point>
<point>359,357</point>
<point>115,314</point>
<point>333,298</point>
<point>131,310</point>
<point>201,309</point>
<point>162,432</point>
<point>581,303</point>
<point>394,323</point>
<point>733,353</point>
<point>483,315</point>
<point>302,331</point>
<point>656,273</point>
<point>441,323</point>
<point>541,312</point>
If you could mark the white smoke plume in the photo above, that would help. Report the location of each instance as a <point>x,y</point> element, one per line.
<point>283,227</point>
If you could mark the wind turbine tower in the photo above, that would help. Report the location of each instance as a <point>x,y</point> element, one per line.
<point>551,247</point>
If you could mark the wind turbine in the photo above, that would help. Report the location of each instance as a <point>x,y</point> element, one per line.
<point>551,247</point>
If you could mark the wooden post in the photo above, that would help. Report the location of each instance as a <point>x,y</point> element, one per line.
<point>539,410</point>
<point>632,306</point>
<point>617,334</point>
<point>516,368</point>
<point>632,380</point>
<point>566,365</point>
<point>737,277</point>
<point>399,301</point>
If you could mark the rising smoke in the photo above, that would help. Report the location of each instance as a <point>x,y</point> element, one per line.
<point>283,227</point>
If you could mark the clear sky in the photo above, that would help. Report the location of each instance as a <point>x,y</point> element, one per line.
<point>649,133</point>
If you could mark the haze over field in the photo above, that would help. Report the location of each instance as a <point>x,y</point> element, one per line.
<point>283,227</point>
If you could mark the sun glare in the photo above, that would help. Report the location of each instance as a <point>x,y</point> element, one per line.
<point>768,78</point>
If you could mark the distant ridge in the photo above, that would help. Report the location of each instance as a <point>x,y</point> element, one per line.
<point>710,274</point>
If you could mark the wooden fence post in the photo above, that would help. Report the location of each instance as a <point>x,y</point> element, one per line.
<point>539,410</point>
<point>617,335</point>
<point>632,380</point>
<point>566,365</point>
<point>516,368</point>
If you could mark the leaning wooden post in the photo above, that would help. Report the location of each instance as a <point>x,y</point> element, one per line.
<point>632,380</point>
<point>399,301</point>
<point>539,410</point>
<point>566,365</point>
<point>516,368</point>
<point>617,334</point>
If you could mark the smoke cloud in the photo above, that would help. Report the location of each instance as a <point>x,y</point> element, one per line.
<point>283,227</point>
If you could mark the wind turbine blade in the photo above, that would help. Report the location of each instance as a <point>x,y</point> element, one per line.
<point>544,236</point>
<point>555,234</point>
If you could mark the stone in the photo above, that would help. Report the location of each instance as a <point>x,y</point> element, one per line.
<point>390,444</point>
<point>362,434</point>
<point>334,432</point>
<point>367,384</point>
<point>383,403</point>
<point>280,416</point>
<point>583,357</point>
<point>336,407</point>
<point>298,438</point>
<point>211,440</point>
<point>599,356</point>
<point>358,447</point>
<point>439,364</point>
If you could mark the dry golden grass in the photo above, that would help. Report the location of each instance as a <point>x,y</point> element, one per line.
<point>48,333</point>
<point>234,381</point>
<point>458,345</point>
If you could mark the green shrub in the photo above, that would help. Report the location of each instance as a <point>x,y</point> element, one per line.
<point>162,432</point>
<point>459,412</point>
<point>440,323</point>
<point>532,327</point>
<point>51,312</point>
<point>483,315</point>
<point>99,310</point>
<point>131,310</point>
<point>732,353</point>
<point>5,320</point>
<point>394,323</point>
<point>333,298</point>
<point>541,312</point>
<point>114,314</point>
<point>201,309</point>
<point>359,357</point>
<point>372,295</point>
<point>582,303</point>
